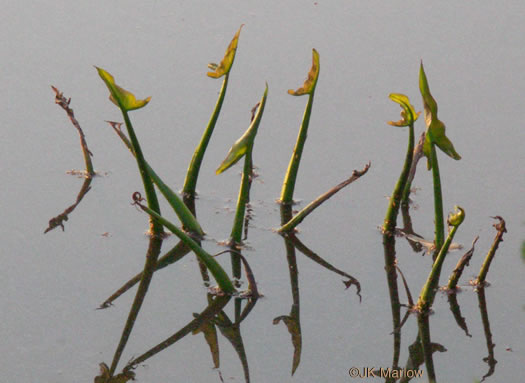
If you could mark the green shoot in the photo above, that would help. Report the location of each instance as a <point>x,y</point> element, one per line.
<point>293,167</point>
<point>429,290</point>
<point>189,222</point>
<point>435,135</point>
<point>126,101</point>
<point>223,69</point>
<point>408,117</point>
<point>243,147</point>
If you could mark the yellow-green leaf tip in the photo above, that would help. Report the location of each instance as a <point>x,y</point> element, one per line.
<point>122,98</point>
<point>408,113</point>
<point>226,64</point>
<point>311,81</point>
<point>245,143</point>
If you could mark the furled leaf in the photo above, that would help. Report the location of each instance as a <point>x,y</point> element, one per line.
<point>227,62</point>
<point>408,114</point>
<point>121,97</point>
<point>240,147</point>
<point>435,128</point>
<point>310,83</point>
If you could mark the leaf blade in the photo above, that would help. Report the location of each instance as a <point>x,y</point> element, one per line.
<point>311,81</point>
<point>122,98</point>
<point>229,56</point>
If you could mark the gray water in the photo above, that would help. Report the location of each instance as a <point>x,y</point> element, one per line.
<point>51,284</point>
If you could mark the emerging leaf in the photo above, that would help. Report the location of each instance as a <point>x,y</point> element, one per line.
<point>243,144</point>
<point>435,128</point>
<point>121,97</point>
<point>310,83</point>
<point>408,114</point>
<point>224,67</point>
<point>456,218</point>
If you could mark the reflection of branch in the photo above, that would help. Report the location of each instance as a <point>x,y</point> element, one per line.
<point>299,217</point>
<point>316,258</point>
<point>490,360</point>
<point>206,315</point>
<point>456,311</point>
<point>59,219</point>
<point>172,256</point>
<point>64,103</point>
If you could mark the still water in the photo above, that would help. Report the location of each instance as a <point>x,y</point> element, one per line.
<point>51,284</point>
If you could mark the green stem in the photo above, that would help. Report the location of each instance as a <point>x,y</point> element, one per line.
<point>217,271</point>
<point>184,212</point>
<point>293,166</point>
<point>438,202</point>
<point>151,196</point>
<point>426,298</point>
<point>392,211</point>
<point>192,174</point>
<point>243,198</point>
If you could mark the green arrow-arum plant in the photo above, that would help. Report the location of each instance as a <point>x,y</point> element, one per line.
<point>221,70</point>
<point>429,290</point>
<point>408,117</point>
<point>293,167</point>
<point>216,270</point>
<point>243,148</point>
<point>126,101</point>
<point>188,220</point>
<point>435,136</point>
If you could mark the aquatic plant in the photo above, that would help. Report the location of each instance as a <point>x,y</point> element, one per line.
<point>429,289</point>
<point>217,271</point>
<point>293,167</point>
<point>126,102</point>
<point>408,117</point>
<point>188,220</point>
<point>221,70</point>
<point>435,136</point>
<point>243,147</point>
